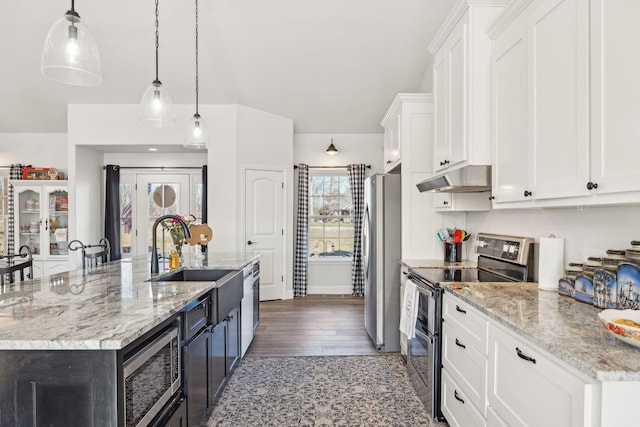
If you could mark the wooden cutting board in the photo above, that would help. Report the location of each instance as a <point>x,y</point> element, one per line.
<point>201,234</point>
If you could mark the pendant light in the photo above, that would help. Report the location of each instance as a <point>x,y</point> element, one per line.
<point>197,135</point>
<point>156,107</point>
<point>70,54</point>
<point>332,150</point>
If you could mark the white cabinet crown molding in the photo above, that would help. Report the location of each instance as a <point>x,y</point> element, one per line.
<point>401,98</point>
<point>457,11</point>
<point>510,14</point>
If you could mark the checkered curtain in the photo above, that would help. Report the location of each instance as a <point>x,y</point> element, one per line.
<point>15,172</point>
<point>356,182</point>
<point>302,234</point>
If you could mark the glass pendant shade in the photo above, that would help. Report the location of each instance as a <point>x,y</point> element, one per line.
<point>70,54</point>
<point>156,107</point>
<point>197,134</point>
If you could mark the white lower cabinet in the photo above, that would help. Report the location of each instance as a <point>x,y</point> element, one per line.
<point>530,388</point>
<point>493,377</point>
<point>464,363</point>
<point>456,406</point>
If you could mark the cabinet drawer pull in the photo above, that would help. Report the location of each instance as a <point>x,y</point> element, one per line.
<point>458,398</point>
<point>458,309</point>
<point>459,344</point>
<point>523,356</point>
<point>527,193</point>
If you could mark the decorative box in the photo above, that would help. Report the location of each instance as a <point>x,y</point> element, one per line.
<point>30,173</point>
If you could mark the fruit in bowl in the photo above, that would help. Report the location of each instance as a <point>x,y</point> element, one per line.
<point>623,324</point>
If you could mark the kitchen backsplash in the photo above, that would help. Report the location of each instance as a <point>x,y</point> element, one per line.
<point>587,231</point>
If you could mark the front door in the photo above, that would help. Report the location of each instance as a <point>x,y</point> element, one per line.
<point>264,230</point>
<point>158,195</point>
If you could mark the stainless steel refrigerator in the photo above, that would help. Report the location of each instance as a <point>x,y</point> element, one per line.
<point>381,258</point>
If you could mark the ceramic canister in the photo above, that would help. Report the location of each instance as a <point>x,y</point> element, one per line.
<point>628,279</point>
<point>605,293</point>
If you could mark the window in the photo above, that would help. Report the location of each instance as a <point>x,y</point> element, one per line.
<point>330,208</point>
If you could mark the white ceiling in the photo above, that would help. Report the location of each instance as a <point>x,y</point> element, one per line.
<point>333,66</point>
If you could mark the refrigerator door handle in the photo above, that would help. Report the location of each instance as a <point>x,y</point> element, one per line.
<point>365,242</point>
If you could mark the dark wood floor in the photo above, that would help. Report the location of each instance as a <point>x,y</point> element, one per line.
<point>316,325</point>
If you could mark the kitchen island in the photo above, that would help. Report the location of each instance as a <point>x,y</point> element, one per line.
<point>541,348</point>
<point>63,338</point>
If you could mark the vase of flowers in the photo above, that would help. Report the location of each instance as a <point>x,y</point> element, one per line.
<point>176,232</point>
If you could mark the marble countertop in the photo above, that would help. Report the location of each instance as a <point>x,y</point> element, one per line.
<point>566,328</point>
<point>438,263</point>
<point>104,308</point>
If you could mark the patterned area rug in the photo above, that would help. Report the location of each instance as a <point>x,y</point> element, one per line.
<point>320,391</point>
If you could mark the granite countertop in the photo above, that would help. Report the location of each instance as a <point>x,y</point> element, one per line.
<point>438,263</point>
<point>105,308</point>
<point>568,329</point>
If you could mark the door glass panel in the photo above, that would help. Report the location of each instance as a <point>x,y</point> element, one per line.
<point>162,199</point>
<point>126,219</point>
<point>29,221</point>
<point>58,222</point>
<point>197,196</point>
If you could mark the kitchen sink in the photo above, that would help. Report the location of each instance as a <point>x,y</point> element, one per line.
<point>189,275</point>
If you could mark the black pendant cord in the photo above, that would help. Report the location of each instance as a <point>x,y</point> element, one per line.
<point>157,42</point>
<point>197,58</point>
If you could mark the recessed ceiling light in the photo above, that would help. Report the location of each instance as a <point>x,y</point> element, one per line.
<point>152,149</point>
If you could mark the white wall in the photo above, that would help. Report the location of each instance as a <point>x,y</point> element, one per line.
<point>334,277</point>
<point>36,149</point>
<point>589,231</point>
<point>426,84</point>
<point>86,222</point>
<point>265,141</point>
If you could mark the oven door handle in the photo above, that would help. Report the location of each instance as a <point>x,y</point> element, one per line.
<point>420,333</point>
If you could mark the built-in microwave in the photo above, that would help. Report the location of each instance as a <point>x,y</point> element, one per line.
<point>151,377</point>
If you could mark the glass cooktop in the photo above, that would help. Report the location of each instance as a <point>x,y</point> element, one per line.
<point>438,275</point>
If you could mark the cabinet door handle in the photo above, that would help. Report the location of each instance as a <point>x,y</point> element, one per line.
<point>523,356</point>
<point>458,398</point>
<point>527,193</point>
<point>592,185</point>
<point>458,309</point>
<point>445,203</point>
<point>459,344</point>
<point>492,197</point>
<point>249,242</point>
<point>388,161</point>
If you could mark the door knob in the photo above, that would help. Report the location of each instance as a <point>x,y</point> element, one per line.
<point>249,242</point>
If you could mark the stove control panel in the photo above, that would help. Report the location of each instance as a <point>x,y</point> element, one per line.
<point>508,248</point>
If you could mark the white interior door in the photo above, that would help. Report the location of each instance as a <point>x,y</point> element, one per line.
<point>264,231</point>
<point>158,195</point>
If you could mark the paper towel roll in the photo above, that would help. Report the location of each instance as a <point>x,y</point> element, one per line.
<point>550,262</point>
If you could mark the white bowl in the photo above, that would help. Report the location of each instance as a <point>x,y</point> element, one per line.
<point>628,334</point>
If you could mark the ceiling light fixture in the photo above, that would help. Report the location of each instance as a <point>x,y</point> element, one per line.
<point>156,107</point>
<point>332,149</point>
<point>70,54</point>
<point>197,135</point>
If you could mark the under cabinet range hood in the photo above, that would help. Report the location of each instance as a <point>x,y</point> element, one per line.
<point>468,179</point>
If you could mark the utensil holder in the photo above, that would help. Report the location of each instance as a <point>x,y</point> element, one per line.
<point>453,252</point>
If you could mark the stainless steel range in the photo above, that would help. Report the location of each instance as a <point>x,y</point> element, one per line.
<point>500,259</point>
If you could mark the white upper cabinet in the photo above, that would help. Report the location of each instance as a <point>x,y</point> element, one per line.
<point>509,115</point>
<point>392,143</point>
<point>409,124</point>
<point>558,33</point>
<point>564,103</point>
<point>461,74</point>
<point>615,95</point>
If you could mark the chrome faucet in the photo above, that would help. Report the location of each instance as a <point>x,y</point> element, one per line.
<point>155,267</point>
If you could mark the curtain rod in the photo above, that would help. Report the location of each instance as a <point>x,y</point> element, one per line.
<point>330,167</point>
<point>156,167</point>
